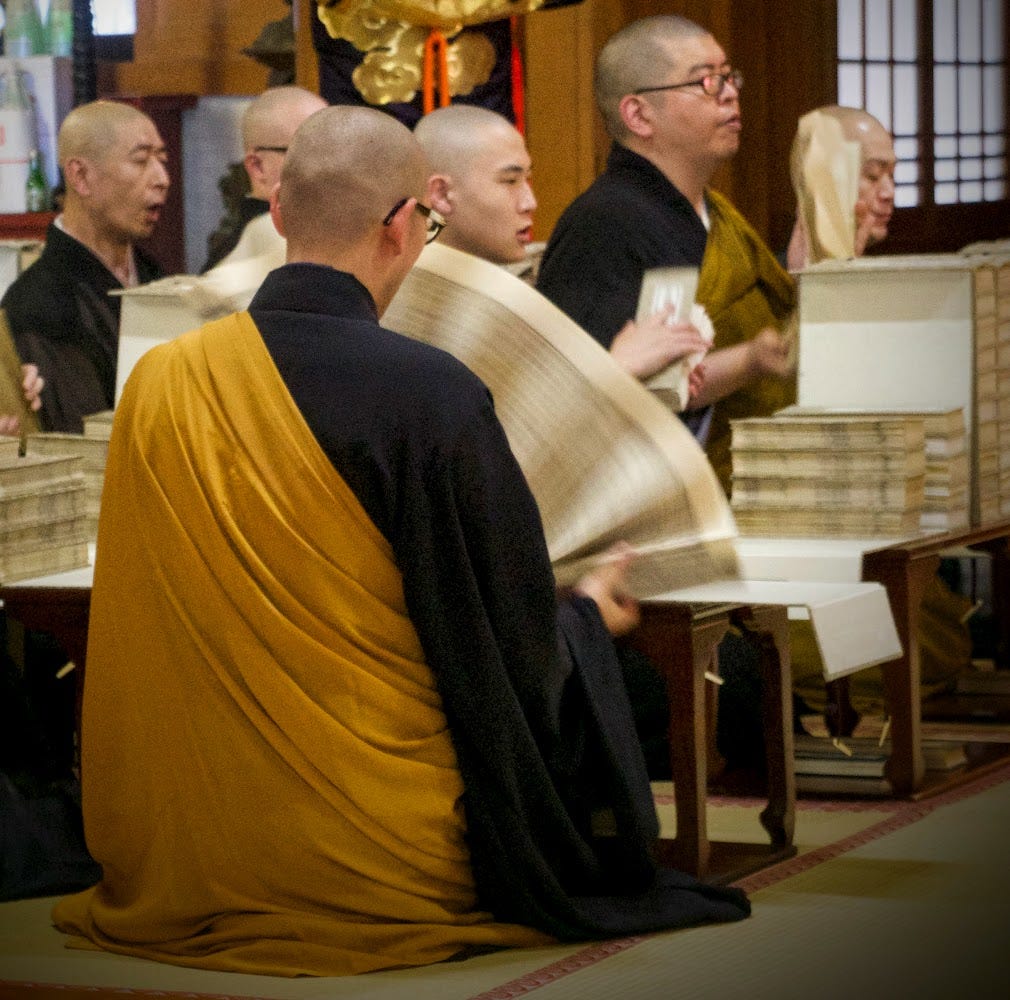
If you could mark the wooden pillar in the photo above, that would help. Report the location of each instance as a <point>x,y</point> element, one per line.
<point>306,63</point>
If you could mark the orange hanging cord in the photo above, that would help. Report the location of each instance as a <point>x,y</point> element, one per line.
<point>518,89</point>
<point>436,58</point>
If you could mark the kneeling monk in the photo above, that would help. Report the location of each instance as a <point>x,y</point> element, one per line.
<point>335,719</point>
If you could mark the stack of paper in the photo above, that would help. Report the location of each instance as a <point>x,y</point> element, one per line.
<point>99,425</point>
<point>92,453</point>
<point>828,474</point>
<point>946,483</point>
<point>42,516</point>
<point>1001,275</point>
<point>917,332</point>
<point>946,503</point>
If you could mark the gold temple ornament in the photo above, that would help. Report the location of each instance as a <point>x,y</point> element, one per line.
<point>413,45</point>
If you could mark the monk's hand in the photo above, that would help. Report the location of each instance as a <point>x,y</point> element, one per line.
<point>695,383</point>
<point>654,343</point>
<point>10,426</point>
<point>607,585</point>
<point>798,252</point>
<point>769,354</point>
<point>32,383</point>
<point>864,227</point>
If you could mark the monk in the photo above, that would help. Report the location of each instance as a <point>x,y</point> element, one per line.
<point>670,102</point>
<point>336,719</point>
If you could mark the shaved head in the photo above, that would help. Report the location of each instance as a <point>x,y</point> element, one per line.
<point>90,131</point>
<point>638,56</point>
<point>480,181</point>
<point>115,167</point>
<point>274,116</point>
<point>454,136</point>
<point>346,167</point>
<point>857,125</point>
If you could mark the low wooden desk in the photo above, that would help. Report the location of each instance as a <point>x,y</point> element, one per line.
<point>904,567</point>
<point>680,636</point>
<point>60,605</point>
<point>681,639</point>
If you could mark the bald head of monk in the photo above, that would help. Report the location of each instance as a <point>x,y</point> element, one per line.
<point>114,164</point>
<point>268,125</point>
<point>480,181</point>
<point>335,208</point>
<point>877,163</point>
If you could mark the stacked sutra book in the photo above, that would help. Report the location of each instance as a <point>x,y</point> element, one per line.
<point>946,495</point>
<point>829,474</point>
<point>43,515</point>
<point>914,332</point>
<point>947,501</point>
<point>91,449</point>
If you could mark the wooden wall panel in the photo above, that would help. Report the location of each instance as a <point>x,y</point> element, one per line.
<point>306,63</point>
<point>560,115</point>
<point>196,48</point>
<point>786,51</point>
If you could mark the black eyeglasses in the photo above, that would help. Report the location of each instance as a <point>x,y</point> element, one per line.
<point>270,149</point>
<point>433,220</point>
<point>712,83</point>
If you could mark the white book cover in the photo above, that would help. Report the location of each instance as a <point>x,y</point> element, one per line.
<point>663,287</point>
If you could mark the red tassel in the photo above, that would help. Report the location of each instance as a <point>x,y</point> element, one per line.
<point>518,91</point>
<point>436,52</point>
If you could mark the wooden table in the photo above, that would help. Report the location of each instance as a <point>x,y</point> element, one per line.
<point>680,632</point>
<point>60,605</point>
<point>904,567</point>
<point>681,640</point>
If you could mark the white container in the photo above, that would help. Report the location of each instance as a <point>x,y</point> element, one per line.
<point>16,142</point>
<point>50,84</point>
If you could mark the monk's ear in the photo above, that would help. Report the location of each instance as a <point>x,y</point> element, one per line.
<point>637,114</point>
<point>440,194</point>
<point>77,175</point>
<point>275,210</point>
<point>397,230</point>
<point>253,163</point>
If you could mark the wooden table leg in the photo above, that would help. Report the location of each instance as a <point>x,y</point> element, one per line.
<point>63,613</point>
<point>683,648</point>
<point>999,551</point>
<point>840,718</point>
<point>906,581</point>
<point>768,627</point>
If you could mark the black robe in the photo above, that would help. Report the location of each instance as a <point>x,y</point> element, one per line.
<point>533,693</point>
<point>629,220</point>
<point>65,321</point>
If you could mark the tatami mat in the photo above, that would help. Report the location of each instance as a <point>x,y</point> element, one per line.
<point>886,899</point>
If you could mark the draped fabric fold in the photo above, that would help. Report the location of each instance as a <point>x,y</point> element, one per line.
<point>315,699</point>
<point>744,289</point>
<point>283,771</point>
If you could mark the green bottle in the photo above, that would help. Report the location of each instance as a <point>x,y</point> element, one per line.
<point>60,27</point>
<point>36,188</point>
<point>23,32</point>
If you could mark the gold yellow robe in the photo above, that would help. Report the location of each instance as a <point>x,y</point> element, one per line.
<point>315,700</point>
<point>744,289</point>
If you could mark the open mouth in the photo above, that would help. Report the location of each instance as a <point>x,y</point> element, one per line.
<point>525,235</point>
